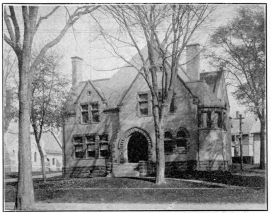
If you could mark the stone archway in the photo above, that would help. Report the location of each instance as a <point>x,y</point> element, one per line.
<point>135,145</point>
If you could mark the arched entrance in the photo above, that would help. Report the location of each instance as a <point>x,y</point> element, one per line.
<point>137,148</point>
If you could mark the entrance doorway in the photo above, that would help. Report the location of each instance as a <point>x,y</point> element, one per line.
<point>137,148</point>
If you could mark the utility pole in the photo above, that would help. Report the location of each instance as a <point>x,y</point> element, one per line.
<point>240,140</point>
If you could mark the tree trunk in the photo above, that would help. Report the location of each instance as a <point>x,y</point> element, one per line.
<point>160,153</point>
<point>262,143</point>
<point>42,162</point>
<point>25,192</point>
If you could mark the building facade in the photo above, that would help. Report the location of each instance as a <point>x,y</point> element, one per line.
<point>110,128</point>
<point>51,147</point>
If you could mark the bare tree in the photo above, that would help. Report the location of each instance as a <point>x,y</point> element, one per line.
<point>9,78</point>
<point>166,30</point>
<point>22,46</point>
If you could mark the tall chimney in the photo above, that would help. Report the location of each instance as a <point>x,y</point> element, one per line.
<point>237,114</point>
<point>76,70</point>
<point>193,61</point>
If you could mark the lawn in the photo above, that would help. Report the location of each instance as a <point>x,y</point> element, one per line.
<point>135,190</point>
<point>9,175</point>
<point>235,179</point>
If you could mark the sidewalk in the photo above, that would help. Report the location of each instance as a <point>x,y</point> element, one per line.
<point>144,206</point>
<point>34,176</point>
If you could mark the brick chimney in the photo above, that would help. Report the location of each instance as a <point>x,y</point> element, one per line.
<point>193,61</point>
<point>76,70</point>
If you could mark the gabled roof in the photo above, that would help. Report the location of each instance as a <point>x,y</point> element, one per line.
<point>115,89</point>
<point>98,90</point>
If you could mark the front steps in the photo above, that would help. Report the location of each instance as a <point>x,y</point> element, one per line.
<point>125,170</point>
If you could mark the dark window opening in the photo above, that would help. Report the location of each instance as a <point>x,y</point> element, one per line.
<point>172,107</point>
<point>53,161</point>
<point>168,143</point>
<point>143,104</point>
<point>209,119</point>
<point>95,112</point>
<point>79,152</point>
<point>181,140</point>
<point>91,150</point>
<point>84,112</point>
<point>104,153</point>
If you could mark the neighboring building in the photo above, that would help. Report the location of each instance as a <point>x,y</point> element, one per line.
<point>250,139</point>
<point>111,122</point>
<point>50,143</point>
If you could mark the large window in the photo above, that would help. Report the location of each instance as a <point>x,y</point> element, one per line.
<point>91,146</point>
<point>143,102</point>
<point>211,119</point>
<point>177,143</point>
<point>90,113</point>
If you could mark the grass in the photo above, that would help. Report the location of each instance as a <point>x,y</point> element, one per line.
<point>134,190</point>
<point>9,175</point>
<point>222,177</point>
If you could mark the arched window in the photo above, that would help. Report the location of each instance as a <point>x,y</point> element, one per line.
<point>35,157</point>
<point>181,140</point>
<point>168,143</point>
<point>53,161</point>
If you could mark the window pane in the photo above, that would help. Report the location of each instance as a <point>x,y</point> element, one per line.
<point>90,139</point>
<point>104,153</point>
<point>168,146</point>
<point>209,119</point>
<point>172,105</point>
<point>181,134</point>
<point>91,147</point>
<point>84,107</point>
<point>143,105</point>
<point>104,147</point>
<point>143,97</point>
<point>91,154</point>
<point>95,116</point>
<point>78,140</point>
<point>95,106</point>
<point>78,148</point>
<point>85,117</point>
<point>79,152</point>
<point>168,135</point>
<point>144,111</point>
<point>103,138</point>
<point>181,142</point>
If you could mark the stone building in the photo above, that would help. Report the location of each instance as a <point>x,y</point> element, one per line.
<point>110,127</point>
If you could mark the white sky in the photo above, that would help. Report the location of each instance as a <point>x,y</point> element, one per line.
<point>95,55</point>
